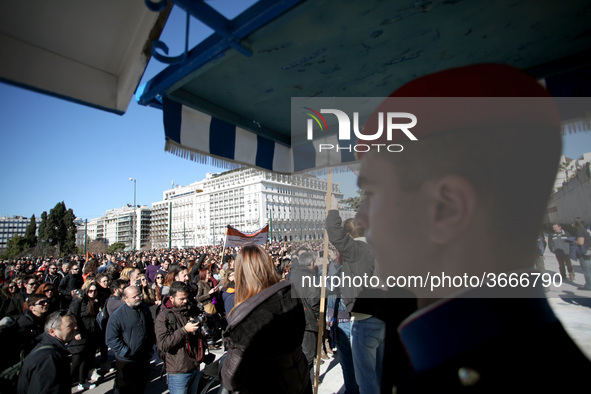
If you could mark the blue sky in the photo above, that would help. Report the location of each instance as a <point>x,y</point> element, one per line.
<point>54,150</point>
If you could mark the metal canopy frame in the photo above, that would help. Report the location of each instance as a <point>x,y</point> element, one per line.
<point>244,75</point>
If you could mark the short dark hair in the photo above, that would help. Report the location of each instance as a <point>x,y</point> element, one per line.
<point>176,269</point>
<point>177,287</point>
<point>306,259</point>
<point>116,284</point>
<point>28,277</point>
<point>354,228</point>
<point>35,298</point>
<point>579,222</point>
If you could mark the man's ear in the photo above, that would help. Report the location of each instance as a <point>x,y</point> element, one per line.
<point>452,206</point>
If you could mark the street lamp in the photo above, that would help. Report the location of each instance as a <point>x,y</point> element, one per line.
<point>133,219</point>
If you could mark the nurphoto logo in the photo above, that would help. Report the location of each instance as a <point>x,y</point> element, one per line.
<point>389,122</point>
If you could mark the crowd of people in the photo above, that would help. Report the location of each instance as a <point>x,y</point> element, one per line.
<point>128,302</point>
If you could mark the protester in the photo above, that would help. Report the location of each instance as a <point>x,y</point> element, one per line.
<point>148,296</point>
<point>130,334</point>
<point>49,291</point>
<point>17,303</point>
<point>205,291</point>
<point>115,300</point>
<point>85,307</point>
<point>52,276</point>
<point>70,284</point>
<point>265,313</point>
<point>31,322</point>
<point>178,338</point>
<point>6,293</point>
<point>47,368</point>
<point>583,243</point>
<point>309,296</point>
<point>229,291</point>
<point>561,249</point>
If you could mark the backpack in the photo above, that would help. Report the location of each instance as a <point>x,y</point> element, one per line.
<point>102,317</point>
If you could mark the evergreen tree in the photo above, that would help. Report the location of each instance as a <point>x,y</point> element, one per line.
<point>60,229</point>
<point>69,245</point>
<point>14,246</point>
<point>355,202</point>
<point>30,238</point>
<point>43,227</point>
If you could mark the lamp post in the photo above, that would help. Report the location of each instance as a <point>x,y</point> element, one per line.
<point>133,218</point>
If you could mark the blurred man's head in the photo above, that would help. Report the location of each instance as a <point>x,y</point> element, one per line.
<point>472,190</point>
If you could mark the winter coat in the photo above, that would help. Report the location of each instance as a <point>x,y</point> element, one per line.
<point>171,338</point>
<point>46,370</point>
<point>87,325</point>
<point>30,330</point>
<point>228,296</point>
<point>264,344</point>
<point>203,297</point>
<point>308,295</point>
<point>356,254</point>
<point>130,333</point>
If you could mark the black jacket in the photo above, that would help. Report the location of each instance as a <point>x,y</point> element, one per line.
<point>30,328</point>
<point>264,345</point>
<point>15,308</point>
<point>47,369</point>
<point>356,254</point>
<point>87,325</point>
<point>68,283</point>
<point>308,295</point>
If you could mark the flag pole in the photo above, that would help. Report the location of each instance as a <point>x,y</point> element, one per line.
<point>321,316</point>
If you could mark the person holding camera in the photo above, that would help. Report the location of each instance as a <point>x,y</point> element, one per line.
<point>178,339</point>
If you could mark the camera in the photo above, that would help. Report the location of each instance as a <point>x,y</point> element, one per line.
<point>209,327</point>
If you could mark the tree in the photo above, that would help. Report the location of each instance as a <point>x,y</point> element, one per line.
<point>43,236</point>
<point>30,238</point>
<point>70,240</point>
<point>14,246</point>
<point>355,202</point>
<point>117,246</point>
<point>60,229</point>
<point>97,246</point>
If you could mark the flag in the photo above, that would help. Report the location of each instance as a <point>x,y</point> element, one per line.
<point>89,256</point>
<point>235,237</point>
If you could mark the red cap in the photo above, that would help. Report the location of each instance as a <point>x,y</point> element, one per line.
<point>470,96</point>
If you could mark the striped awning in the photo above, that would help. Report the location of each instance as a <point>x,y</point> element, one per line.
<point>194,135</point>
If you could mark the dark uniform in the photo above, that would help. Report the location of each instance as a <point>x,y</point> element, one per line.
<point>494,345</point>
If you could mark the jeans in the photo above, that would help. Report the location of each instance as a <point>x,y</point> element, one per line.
<point>183,383</point>
<point>586,268</point>
<point>367,343</point>
<point>346,357</point>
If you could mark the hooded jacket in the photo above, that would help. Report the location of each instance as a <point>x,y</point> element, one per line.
<point>178,348</point>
